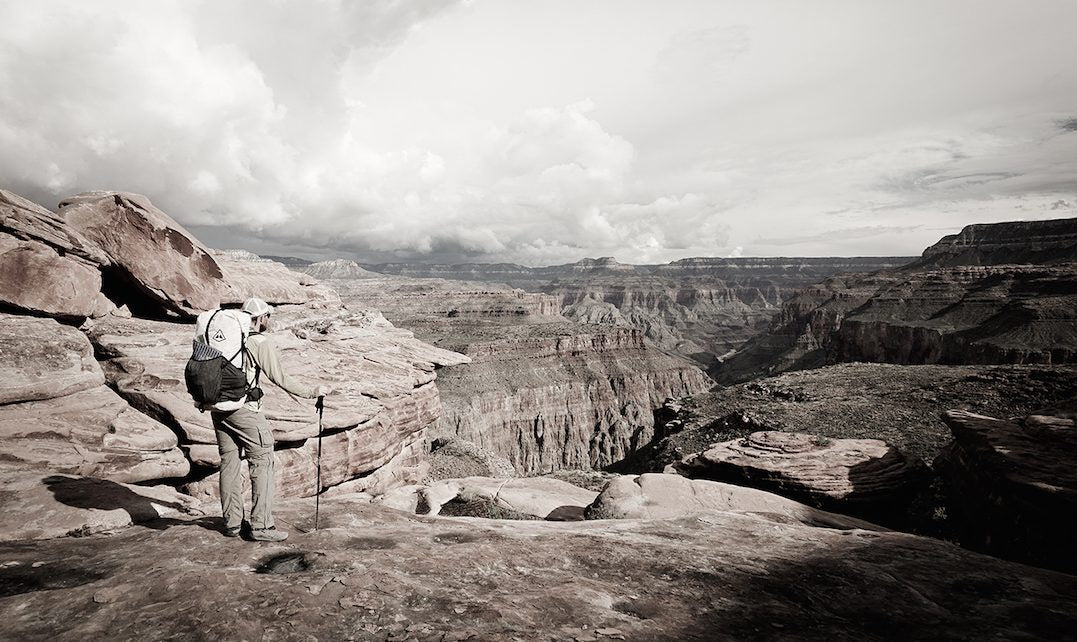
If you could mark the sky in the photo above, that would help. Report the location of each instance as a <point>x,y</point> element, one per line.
<point>545,132</point>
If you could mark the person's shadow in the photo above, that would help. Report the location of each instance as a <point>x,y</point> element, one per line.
<point>101,494</point>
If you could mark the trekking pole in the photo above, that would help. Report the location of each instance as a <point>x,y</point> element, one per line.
<point>320,405</point>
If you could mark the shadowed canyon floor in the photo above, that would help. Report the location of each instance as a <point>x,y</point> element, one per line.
<point>374,573</point>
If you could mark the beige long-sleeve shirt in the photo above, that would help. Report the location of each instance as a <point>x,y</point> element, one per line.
<point>266,356</point>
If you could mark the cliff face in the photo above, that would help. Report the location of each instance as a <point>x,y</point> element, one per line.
<point>542,391</point>
<point>700,308</point>
<point>975,311</point>
<point>582,400</point>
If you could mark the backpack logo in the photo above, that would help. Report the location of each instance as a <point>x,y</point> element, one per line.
<point>218,336</point>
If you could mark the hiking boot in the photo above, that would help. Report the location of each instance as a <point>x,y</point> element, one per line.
<point>231,532</point>
<point>268,535</point>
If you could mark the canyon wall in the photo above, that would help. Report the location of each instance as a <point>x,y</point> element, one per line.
<point>961,303</point>
<point>543,391</point>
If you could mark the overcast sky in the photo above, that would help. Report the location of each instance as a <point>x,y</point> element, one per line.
<point>542,132</point>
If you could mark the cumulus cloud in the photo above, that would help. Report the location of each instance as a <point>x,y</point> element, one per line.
<point>445,130</point>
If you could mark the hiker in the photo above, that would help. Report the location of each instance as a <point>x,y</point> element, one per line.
<point>239,422</point>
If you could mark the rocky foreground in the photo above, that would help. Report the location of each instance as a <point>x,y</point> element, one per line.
<point>376,573</point>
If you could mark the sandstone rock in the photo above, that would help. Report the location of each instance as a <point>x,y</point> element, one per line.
<point>33,277</point>
<point>150,250</point>
<point>42,359</point>
<point>658,496</point>
<point>1012,486</point>
<point>92,433</point>
<point>847,475</point>
<point>720,575</point>
<point>39,505</point>
<point>28,221</point>
<point>536,496</point>
<point>383,401</point>
<point>249,275</point>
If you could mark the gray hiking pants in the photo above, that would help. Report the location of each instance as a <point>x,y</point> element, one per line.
<point>248,430</point>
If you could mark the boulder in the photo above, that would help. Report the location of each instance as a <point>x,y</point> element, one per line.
<point>149,250</point>
<point>43,359</point>
<point>41,505</point>
<point>35,278</point>
<point>93,433</point>
<point>56,412</point>
<point>1012,486</point>
<point>848,475</point>
<point>28,221</point>
<point>250,275</point>
<point>661,496</point>
<point>384,397</point>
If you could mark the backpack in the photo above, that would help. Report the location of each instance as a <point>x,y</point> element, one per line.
<point>211,374</point>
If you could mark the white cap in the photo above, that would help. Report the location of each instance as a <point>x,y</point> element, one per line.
<point>256,307</point>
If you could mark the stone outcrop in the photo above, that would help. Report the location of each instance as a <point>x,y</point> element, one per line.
<point>854,476</point>
<point>46,267</point>
<point>543,392</point>
<point>1000,293</point>
<point>374,573</point>
<point>659,496</point>
<point>41,505</point>
<point>539,497</point>
<point>57,414</point>
<point>148,250</point>
<point>250,275</point>
<point>1012,486</point>
<point>384,397</point>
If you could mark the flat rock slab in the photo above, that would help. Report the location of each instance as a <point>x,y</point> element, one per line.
<point>1012,486</point>
<point>42,505</point>
<point>660,496</point>
<point>374,573</point>
<point>152,250</point>
<point>833,473</point>
<point>539,497</point>
<point>43,359</point>
<point>93,432</point>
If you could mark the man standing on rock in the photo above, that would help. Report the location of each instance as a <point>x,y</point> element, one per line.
<point>245,426</point>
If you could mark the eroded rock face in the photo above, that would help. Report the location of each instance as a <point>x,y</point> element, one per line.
<point>1013,486</point>
<point>384,397</point>
<point>999,293</point>
<point>540,391</point>
<point>847,475</point>
<point>57,414</point>
<point>371,572</point>
<point>150,250</point>
<point>660,496</point>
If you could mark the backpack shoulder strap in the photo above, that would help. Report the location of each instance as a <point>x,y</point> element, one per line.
<point>210,322</point>
<point>242,341</point>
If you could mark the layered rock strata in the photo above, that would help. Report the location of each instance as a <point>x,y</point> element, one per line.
<point>855,476</point>
<point>58,415</point>
<point>541,391</point>
<point>384,397</point>
<point>965,301</point>
<point>1012,486</point>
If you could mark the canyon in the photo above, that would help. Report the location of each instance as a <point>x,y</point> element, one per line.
<point>968,299</point>
<point>542,391</point>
